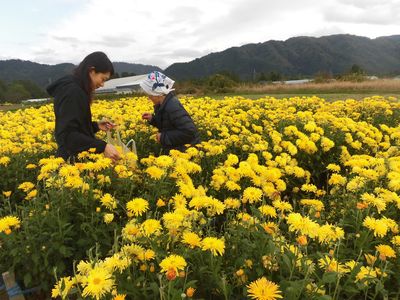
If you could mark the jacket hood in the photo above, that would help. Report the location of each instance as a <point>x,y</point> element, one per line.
<point>61,84</point>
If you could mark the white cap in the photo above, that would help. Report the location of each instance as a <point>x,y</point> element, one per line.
<point>157,84</point>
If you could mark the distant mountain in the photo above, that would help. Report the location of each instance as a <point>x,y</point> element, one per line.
<point>138,69</point>
<point>298,57</point>
<point>295,57</point>
<point>42,74</point>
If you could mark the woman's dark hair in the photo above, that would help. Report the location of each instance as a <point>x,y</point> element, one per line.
<point>101,64</point>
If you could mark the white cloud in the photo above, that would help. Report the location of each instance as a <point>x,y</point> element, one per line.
<point>161,33</point>
<point>374,12</point>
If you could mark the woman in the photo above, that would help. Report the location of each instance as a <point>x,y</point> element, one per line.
<point>73,95</point>
<point>175,126</point>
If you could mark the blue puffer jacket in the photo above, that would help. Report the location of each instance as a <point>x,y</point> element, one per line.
<point>175,125</point>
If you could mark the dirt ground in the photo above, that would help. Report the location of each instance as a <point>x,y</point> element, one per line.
<point>15,106</point>
<point>10,107</point>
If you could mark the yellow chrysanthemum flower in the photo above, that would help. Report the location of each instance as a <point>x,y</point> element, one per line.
<point>99,282</point>
<point>385,251</point>
<point>316,204</point>
<point>26,186</point>
<point>215,245</point>
<point>366,274</point>
<point>63,287</point>
<point>145,255</point>
<point>119,297</point>
<point>232,203</point>
<point>32,194</point>
<point>164,161</point>
<point>108,201</point>
<point>191,239</point>
<point>117,262</point>
<point>137,206</point>
<point>155,172</point>
<point>108,218</point>
<point>7,222</point>
<point>150,227</point>
<point>302,224</point>
<point>252,195</point>
<point>7,193</point>
<point>380,227</point>
<point>173,262</point>
<point>333,168</point>
<point>337,179</point>
<point>396,240</point>
<point>268,211</point>
<point>263,289</point>
<point>5,160</point>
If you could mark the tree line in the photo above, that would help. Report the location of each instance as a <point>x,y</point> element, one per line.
<point>226,81</point>
<point>18,90</point>
<point>222,82</point>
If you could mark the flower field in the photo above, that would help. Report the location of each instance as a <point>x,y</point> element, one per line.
<point>285,198</point>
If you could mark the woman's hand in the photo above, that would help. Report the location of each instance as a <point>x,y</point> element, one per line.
<point>158,137</point>
<point>111,152</point>
<point>106,125</point>
<point>147,116</point>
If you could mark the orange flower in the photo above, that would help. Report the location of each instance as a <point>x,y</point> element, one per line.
<point>362,205</point>
<point>160,203</point>
<point>270,228</point>
<point>171,274</point>
<point>302,240</point>
<point>143,268</point>
<point>152,268</point>
<point>190,292</point>
<point>371,259</point>
<point>239,272</point>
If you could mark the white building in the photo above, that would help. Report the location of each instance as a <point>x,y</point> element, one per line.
<point>38,100</point>
<point>298,81</point>
<point>123,85</point>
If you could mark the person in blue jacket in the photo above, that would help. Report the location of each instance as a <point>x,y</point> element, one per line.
<point>73,95</point>
<point>176,128</point>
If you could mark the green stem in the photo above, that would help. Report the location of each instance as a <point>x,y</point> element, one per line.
<point>337,287</point>
<point>304,283</point>
<point>161,288</point>
<point>383,272</point>
<point>169,289</point>
<point>9,206</point>
<point>292,270</point>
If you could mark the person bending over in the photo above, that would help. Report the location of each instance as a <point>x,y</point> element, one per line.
<point>176,128</point>
<point>73,96</point>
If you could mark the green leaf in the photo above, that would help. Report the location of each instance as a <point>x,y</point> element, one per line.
<point>324,297</point>
<point>27,279</point>
<point>329,277</point>
<point>287,261</point>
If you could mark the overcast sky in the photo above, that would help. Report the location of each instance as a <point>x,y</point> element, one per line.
<point>164,32</point>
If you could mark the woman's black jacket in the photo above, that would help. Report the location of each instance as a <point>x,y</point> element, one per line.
<point>74,130</point>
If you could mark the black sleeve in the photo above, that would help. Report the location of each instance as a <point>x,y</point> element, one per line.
<point>184,129</point>
<point>71,118</point>
<point>154,122</point>
<point>95,127</point>
<point>77,142</point>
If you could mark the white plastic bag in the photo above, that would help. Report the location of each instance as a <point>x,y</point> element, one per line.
<point>116,141</point>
